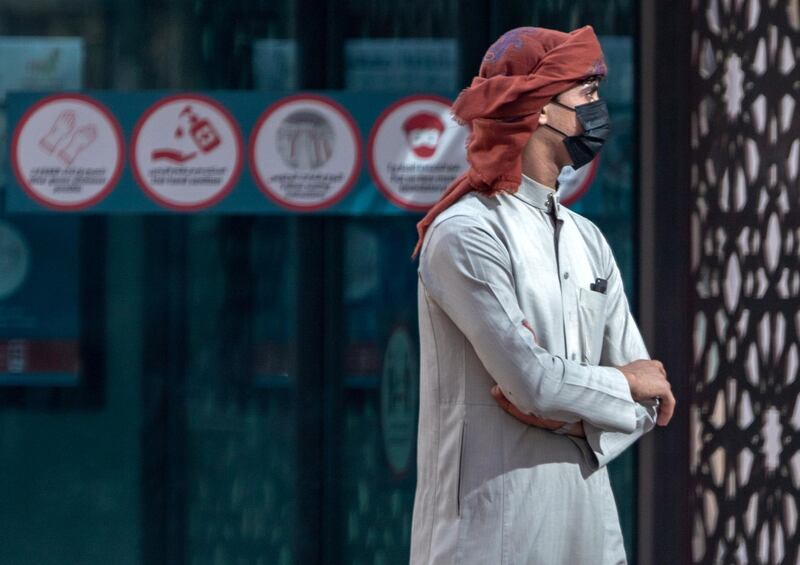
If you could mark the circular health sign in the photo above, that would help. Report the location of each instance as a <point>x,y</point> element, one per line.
<point>186,152</point>
<point>415,150</point>
<point>573,183</point>
<point>67,152</point>
<point>305,152</point>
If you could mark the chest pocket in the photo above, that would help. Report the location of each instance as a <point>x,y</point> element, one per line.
<point>592,321</point>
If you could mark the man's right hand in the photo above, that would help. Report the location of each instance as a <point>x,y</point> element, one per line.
<point>648,379</point>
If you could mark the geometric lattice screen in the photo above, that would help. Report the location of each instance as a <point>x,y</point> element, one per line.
<point>745,265</point>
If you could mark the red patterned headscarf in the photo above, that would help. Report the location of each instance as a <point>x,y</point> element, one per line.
<point>520,73</point>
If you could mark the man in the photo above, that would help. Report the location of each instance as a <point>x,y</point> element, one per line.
<point>533,372</point>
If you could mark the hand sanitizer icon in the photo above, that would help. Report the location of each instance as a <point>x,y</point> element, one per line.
<point>203,134</point>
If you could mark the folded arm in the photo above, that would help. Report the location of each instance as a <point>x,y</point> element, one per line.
<point>466,271</point>
<point>622,344</point>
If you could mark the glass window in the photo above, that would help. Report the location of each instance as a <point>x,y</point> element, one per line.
<point>380,390</point>
<point>237,388</point>
<point>168,433</point>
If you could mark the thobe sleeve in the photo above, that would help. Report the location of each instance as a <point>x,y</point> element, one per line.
<point>622,344</point>
<point>466,271</point>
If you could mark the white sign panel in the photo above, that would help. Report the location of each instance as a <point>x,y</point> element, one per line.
<point>186,152</point>
<point>305,152</point>
<point>67,152</point>
<point>415,150</point>
<point>40,63</point>
<point>401,64</point>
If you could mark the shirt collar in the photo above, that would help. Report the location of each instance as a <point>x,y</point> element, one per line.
<point>538,195</point>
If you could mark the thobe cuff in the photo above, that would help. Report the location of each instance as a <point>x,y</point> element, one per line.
<point>600,447</point>
<point>613,409</point>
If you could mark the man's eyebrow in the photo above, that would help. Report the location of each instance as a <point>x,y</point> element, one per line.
<point>591,83</point>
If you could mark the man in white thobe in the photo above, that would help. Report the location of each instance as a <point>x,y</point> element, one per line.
<point>534,374</point>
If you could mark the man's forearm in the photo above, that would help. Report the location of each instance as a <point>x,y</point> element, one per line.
<point>576,428</point>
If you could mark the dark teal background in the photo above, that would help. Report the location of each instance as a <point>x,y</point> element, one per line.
<point>46,304</point>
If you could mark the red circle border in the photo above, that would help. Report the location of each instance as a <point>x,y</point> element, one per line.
<point>585,184</point>
<point>373,134</point>
<point>226,189</point>
<point>351,180</point>
<point>115,128</point>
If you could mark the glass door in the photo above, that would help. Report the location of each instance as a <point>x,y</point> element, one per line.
<point>380,389</point>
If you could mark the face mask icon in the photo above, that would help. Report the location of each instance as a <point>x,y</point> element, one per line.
<point>423,131</point>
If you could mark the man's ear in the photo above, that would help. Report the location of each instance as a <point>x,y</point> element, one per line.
<point>543,115</point>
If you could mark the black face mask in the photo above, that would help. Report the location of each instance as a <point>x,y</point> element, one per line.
<point>593,116</point>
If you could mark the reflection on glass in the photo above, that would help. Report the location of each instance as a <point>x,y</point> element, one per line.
<point>381,378</point>
<point>240,416</point>
<point>401,47</point>
<point>192,455</point>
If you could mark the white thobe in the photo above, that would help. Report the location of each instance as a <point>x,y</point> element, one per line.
<point>490,489</point>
